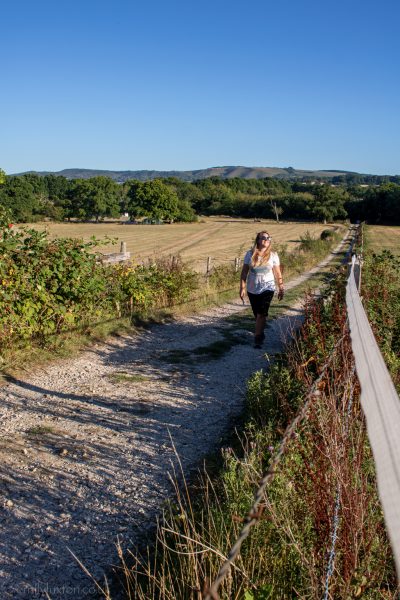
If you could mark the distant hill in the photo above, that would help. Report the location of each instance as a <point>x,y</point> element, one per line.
<point>223,172</point>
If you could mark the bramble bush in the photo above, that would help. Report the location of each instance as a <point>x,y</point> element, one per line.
<point>53,286</point>
<point>49,286</point>
<point>381,294</point>
<point>164,282</point>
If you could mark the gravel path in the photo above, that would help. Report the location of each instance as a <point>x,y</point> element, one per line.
<point>86,443</point>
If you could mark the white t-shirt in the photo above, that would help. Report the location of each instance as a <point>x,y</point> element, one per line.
<point>261,279</point>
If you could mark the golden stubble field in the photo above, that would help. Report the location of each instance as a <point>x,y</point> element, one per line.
<point>221,238</point>
<point>381,237</point>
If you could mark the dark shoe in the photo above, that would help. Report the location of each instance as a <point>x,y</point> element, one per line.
<point>258,340</point>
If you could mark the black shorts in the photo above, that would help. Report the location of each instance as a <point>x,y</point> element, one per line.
<point>260,302</point>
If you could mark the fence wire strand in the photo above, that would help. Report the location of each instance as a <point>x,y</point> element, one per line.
<point>383,420</point>
<point>336,511</point>
<point>257,508</point>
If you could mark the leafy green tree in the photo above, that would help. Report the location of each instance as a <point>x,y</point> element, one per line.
<point>185,211</point>
<point>184,192</point>
<point>96,198</point>
<point>382,204</point>
<point>78,200</point>
<point>217,196</point>
<point>276,186</point>
<point>18,196</point>
<point>38,184</point>
<point>44,206</point>
<point>223,200</point>
<point>188,195</point>
<point>296,205</point>
<point>57,187</point>
<point>2,177</point>
<point>59,204</point>
<point>152,199</point>
<point>328,204</point>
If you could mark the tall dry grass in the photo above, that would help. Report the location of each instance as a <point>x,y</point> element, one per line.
<point>287,554</point>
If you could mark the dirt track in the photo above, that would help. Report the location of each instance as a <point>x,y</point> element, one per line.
<point>86,443</point>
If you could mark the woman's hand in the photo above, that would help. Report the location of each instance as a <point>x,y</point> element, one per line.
<point>281,292</point>
<point>242,294</point>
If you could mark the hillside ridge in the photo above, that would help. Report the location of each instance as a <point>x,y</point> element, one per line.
<point>225,172</point>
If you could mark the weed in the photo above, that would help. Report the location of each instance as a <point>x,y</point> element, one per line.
<point>243,320</point>
<point>219,348</point>
<point>213,351</point>
<point>40,430</point>
<point>287,553</point>
<point>381,293</point>
<point>123,377</point>
<point>176,357</point>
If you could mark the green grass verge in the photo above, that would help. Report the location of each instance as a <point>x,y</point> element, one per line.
<point>124,377</point>
<point>287,554</point>
<point>222,286</point>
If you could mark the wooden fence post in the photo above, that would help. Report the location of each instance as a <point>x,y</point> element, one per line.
<point>237,264</point>
<point>123,248</point>
<point>208,265</point>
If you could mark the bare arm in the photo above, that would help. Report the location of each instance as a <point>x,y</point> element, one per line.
<point>243,278</point>
<point>279,281</point>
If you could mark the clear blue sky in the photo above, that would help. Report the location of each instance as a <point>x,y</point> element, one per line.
<point>183,85</point>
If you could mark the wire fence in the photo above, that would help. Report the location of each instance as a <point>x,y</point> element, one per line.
<point>337,505</point>
<point>257,509</point>
<point>204,265</point>
<point>381,406</point>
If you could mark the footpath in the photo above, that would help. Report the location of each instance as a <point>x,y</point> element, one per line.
<point>86,443</point>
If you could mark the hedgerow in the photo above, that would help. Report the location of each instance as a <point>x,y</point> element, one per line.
<point>50,286</point>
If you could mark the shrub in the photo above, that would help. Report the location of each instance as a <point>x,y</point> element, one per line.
<point>49,286</point>
<point>326,234</point>
<point>160,283</point>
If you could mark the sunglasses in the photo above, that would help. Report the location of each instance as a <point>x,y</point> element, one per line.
<point>266,238</point>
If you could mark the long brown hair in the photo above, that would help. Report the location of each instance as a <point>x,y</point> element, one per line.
<point>255,253</point>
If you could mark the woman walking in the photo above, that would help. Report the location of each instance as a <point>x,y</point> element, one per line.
<point>261,271</point>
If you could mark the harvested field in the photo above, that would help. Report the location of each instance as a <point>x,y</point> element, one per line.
<point>381,237</point>
<point>221,238</point>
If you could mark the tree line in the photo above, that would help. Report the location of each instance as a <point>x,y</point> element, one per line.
<point>32,197</point>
